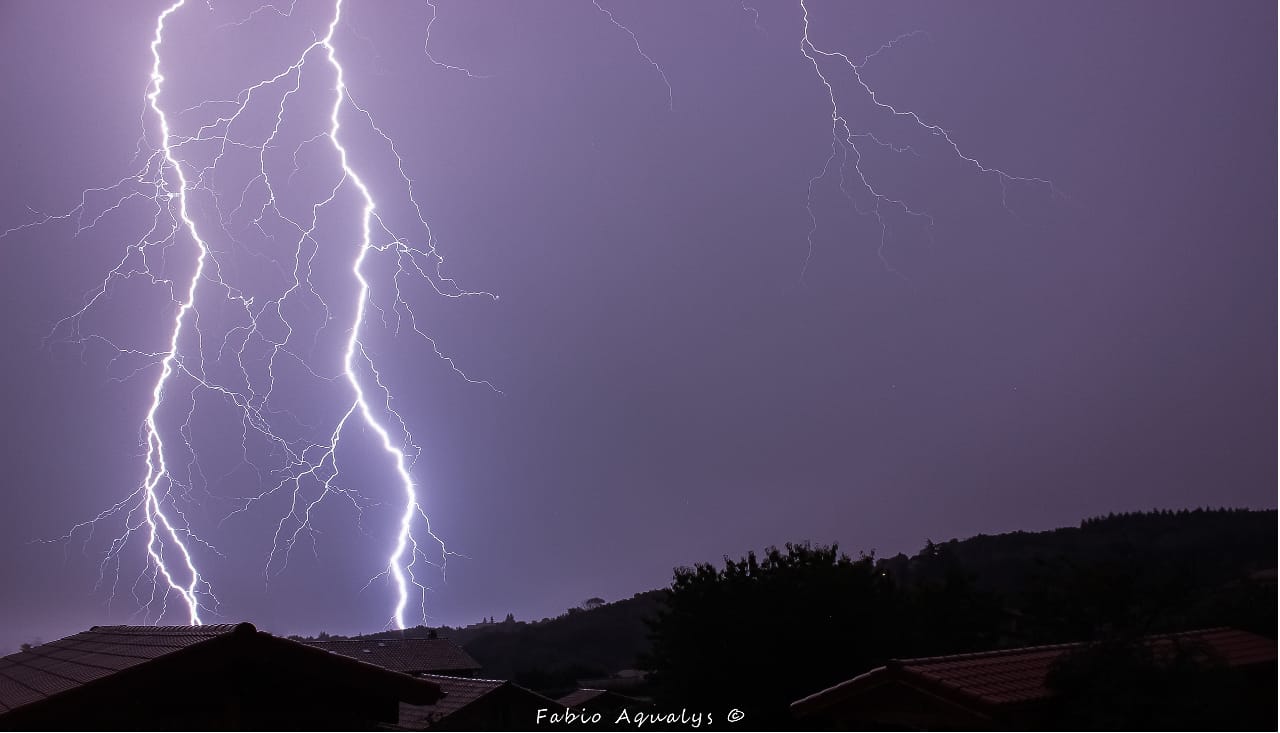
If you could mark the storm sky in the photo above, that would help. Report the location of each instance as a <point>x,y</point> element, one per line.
<point>682,376</point>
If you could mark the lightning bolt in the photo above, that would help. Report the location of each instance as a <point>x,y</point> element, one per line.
<point>754,12</point>
<point>157,472</point>
<point>267,329</point>
<point>426,46</point>
<point>671,99</point>
<point>400,568</point>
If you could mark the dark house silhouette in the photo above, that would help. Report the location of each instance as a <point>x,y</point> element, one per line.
<point>1001,689</point>
<point>225,677</point>
<point>474,704</point>
<point>415,656</point>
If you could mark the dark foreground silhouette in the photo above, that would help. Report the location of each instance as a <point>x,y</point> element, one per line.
<point>756,633</point>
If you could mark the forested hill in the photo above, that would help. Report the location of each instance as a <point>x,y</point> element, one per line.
<point>582,644</point>
<point>1210,544</point>
<point>551,655</point>
<point>1138,572</point>
<point>1146,572</point>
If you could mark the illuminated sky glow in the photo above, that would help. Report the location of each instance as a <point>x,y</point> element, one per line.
<point>767,272</point>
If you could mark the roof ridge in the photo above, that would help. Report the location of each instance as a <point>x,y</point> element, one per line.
<point>463,679</point>
<point>374,641</point>
<point>902,662</point>
<point>990,653</point>
<point>158,628</point>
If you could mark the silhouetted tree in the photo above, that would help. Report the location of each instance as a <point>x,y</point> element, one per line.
<point>946,612</point>
<point>762,632</point>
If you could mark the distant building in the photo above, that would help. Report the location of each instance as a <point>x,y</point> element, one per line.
<point>415,656</point>
<point>224,677</point>
<point>998,689</point>
<point>474,704</point>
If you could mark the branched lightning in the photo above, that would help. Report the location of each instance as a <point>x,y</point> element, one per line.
<point>426,46</point>
<point>272,328</point>
<point>845,139</point>
<point>157,472</point>
<point>399,568</point>
<point>754,12</point>
<point>671,99</point>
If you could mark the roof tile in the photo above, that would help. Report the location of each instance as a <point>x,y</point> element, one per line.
<point>1012,676</point>
<point>403,655</point>
<point>60,665</point>
<point>1019,675</point>
<point>459,693</point>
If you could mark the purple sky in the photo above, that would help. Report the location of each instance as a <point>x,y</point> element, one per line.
<point>677,385</point>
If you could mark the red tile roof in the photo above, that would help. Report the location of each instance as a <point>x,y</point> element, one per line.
<point>403,655</point>
<point>459,692</point>
<point>1012,676</point>
<point>1018,675</point>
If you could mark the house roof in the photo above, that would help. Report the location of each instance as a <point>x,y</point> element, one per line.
<point>581,696</point>
<point>459,692</point>
<point>599,698</point>
<point>1012,676</point>
<point>101,651</point>
<point>403,655</point>
<point>92,657</point>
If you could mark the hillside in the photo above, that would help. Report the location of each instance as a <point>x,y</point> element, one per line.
<point>1161,570</point>
<point>551,655</point>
